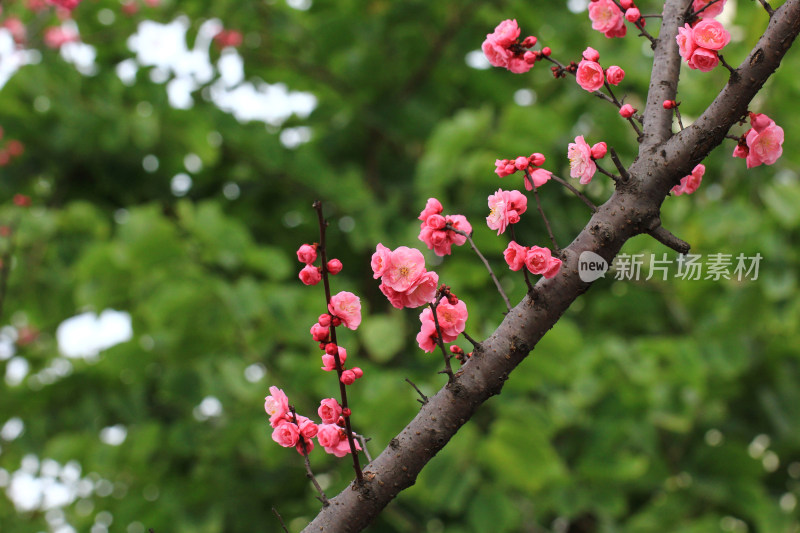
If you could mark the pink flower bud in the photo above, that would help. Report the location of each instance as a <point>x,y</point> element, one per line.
<point>546,51</point>
<point>615,75</point>
<point>334,266</point>
<point>632,14</point>
<point>324,320</point>
<point>331,348</point>
<point>348,377</point>
<point>670,104</point>
<point>590,54</point>
<point>307,253</point>
<point>319,333</point>
<point>346,411</point>
<point>627,111</point>
<point>599,150</point>
<point>529,41</point>
<point>536,159</point>
<point>358,372</point>
<point>626,4</point>
<point>329,410</point>
<point>521,163</point>
<point>529,57</point>
<point>310,275</point>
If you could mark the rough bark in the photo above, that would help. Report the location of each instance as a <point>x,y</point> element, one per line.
<point>634,208</point>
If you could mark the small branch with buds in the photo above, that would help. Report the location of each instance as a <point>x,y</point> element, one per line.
<point>309,473</point>
<point>440,341</point>
<point>323,224</point>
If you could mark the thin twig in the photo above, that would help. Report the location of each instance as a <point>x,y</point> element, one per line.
<point>678,116</point>
<point>309,473</point>
<point>575,191</point>
<point>424,399</point>
<point>364,440</point>
<point>768,7</point>
<point>544,217</point>
<point>622,170</point>
<point>317,205</point>
<point>733,138</point>
<point>607,173</point>
<point>733,71</point>
<point>275,511</point>
<point>485,263</point>
<point>665,237</point>
<point>639,25</point>
<point>439,341</point>
<point>691,16</point>
<point>475,343</point>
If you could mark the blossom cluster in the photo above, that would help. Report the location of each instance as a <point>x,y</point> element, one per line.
<point>436,231</point>
<point>690,183</point>
<point>762,143</point>
<point>582,158</point>
<point>451,314</point>
<point>291,430</point>
<point>536,259</point>
<point>311,275</point>
<point>404,280</point>
<point>534,175</point>
<point>503,48</point>
<point>591,76</point>
<point>699,45</point>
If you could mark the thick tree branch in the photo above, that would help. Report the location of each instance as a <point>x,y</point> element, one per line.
<point>632,209</point>
<point>663,77</point>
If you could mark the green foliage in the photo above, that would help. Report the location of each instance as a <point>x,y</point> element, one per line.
<point>647,408</point>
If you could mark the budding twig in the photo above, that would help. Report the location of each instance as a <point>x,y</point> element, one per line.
<point>485,263</point>
<point>524,270</point>
<point>607,173</point>
<point>541,212</point>
<point>342,387</point>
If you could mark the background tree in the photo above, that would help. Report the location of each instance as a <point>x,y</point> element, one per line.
<point>651,403</point>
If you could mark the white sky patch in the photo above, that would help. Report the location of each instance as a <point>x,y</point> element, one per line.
<point>12,429</point>
<point>255,372</point>
<point>302,5</point>
<point>164,48</point>
<point>86,335</point>
<point>293,137</point>
<point>12,58</point>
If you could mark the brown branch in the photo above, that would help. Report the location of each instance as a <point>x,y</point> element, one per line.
<point>665,237</point>
<point>440,342</point>
<point>276,513</point>
<point>309,472</point>
<point>575,191</point>
<point>630,211</point>
<point>424,399</point>
<point>663,76</point>
<point>623,172</point>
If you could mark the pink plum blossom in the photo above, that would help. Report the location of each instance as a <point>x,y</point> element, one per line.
<point>426,338</point>
<point>308,429</point>
<point>704,60</point>
<point>58,36</point>
<point>329,435</point>
<point>334,266</point>
<point>581,164</point>
<point>686,44</point>
<point>307,253</point>
<point>380,260</point>
<point>710,34</point>
<point>632,14</point>
<point>764,147</point>
<point>286,434</point>
<point>506,33</point>
<point>404,267</point>
<point>552,268</point>
<point>607,18</point>
<point>539,176</point>
<point>506,207</point>
<point>627,111</point>
<point>690,183</point>
<point>423,291</point>
<point>310,275</point>
<point>599,150</point>
<point>590,75</point>
<point>538,259</point>
<point>432,207</point>
<point>615,75</point>
<point>329,410</point>
<point>515,256</point>
<point>276,405</point>
<point>590,54</point>
<point>347,307</point>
